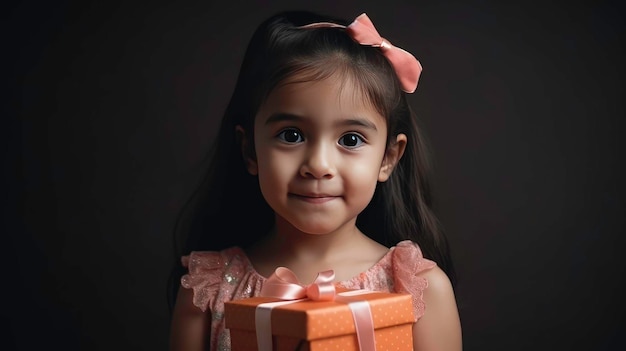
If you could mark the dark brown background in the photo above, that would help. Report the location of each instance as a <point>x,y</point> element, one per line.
<point>111,107</point>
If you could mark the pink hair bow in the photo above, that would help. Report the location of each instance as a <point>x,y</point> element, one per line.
<point>407,67</point>
<point>283,284</point>
<point>362,30</point>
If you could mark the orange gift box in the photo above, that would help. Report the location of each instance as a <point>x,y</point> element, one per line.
<point>323,325</point>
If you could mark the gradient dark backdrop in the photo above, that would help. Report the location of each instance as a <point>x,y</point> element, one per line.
<point>110,109</point>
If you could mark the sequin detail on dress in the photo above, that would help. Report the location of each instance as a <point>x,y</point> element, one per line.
<point>217,277</point>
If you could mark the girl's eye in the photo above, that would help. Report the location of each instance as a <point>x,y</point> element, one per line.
<point>351,140</point>
<point>291,136</point>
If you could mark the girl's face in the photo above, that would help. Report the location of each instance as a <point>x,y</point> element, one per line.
<point>320,150</point>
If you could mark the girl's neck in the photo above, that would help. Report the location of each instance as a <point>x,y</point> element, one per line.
<point>347,251</point>
<point>287,239</point>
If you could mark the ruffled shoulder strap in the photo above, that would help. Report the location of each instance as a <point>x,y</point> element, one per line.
<point>407,263</point>
<point>205,275</point>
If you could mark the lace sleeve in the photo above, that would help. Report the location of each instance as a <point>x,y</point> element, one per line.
<point>408,262</point>
<point>204,277</point>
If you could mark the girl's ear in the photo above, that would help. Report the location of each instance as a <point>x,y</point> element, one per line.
<point>392,156</point>
<point>247,150</point>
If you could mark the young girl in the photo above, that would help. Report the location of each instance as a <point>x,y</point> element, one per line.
<point>319,164</point>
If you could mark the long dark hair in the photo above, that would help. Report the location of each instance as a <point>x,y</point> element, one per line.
<point>227,209</point>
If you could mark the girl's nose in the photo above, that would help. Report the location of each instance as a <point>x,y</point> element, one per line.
<point>318,162</point>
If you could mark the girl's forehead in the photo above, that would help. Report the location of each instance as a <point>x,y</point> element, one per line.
<point>339,91</point>
<point>319,97</point>
<point>328,102</point>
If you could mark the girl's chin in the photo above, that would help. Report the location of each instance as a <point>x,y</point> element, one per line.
<point>315,228</point>
<point>312,224</point>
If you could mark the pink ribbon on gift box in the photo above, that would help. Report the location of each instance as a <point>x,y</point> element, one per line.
<point>284,285</point>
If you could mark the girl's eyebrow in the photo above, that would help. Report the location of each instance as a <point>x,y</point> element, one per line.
<point>355,121</point>
<point>281,117</point>
<point>359,122</point>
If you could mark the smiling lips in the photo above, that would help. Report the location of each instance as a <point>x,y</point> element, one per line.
<point>314,198</point>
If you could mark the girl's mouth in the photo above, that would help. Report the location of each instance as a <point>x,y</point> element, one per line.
<point>314,198</point>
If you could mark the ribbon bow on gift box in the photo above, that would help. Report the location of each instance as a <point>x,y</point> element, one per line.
<point>284,285</point>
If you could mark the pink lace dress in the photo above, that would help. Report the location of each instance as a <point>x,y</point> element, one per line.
<point>217,277</point>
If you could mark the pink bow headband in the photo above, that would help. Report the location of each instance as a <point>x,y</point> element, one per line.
<point>362,31</point>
